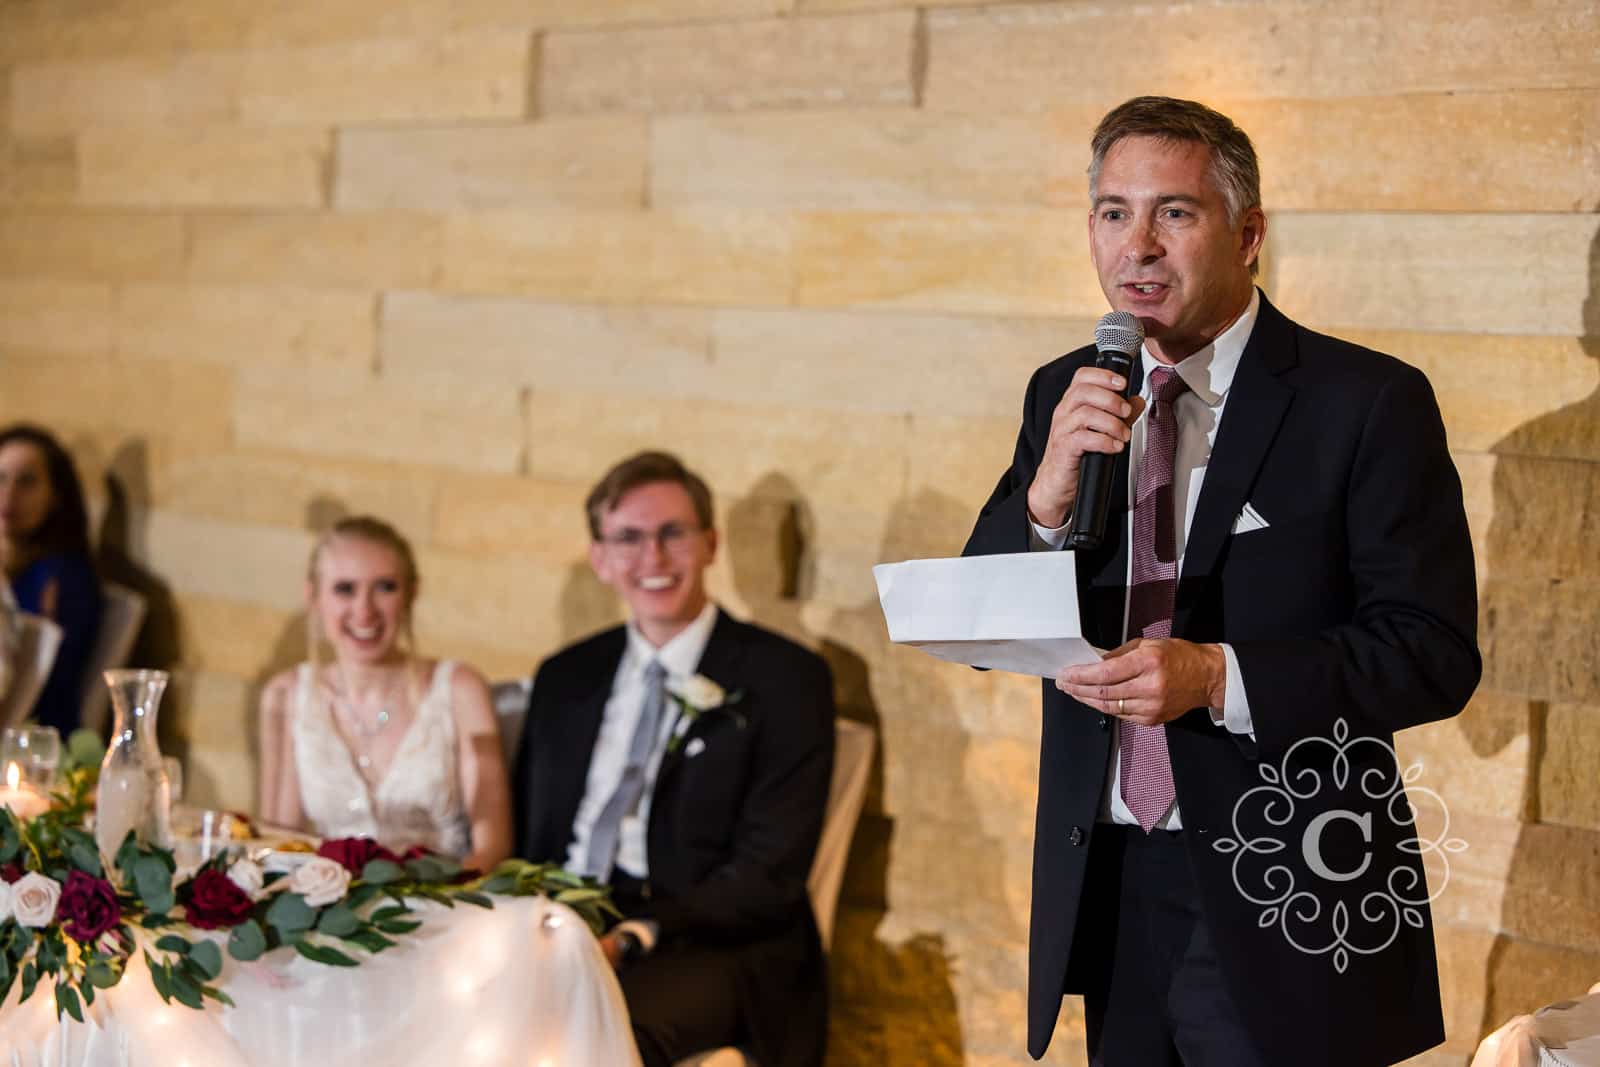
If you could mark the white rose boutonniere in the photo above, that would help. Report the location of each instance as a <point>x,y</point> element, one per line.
<point>247,874</point>
<point>701,696</point>
<point>33,900</point>
<point>320,880</point>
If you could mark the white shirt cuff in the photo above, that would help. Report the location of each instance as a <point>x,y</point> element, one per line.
<point>646,930</point>
<point>1234,714</point>
<point>1045,539</point>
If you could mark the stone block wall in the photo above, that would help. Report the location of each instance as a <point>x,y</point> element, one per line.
<point>443,260</point>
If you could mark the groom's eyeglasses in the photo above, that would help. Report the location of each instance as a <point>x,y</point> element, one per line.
<point>629,542</point>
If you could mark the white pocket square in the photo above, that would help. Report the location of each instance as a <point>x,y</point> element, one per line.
<point>695,746</point>
<point>1249,519</point>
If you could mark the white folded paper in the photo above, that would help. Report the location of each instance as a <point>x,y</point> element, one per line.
<point>1016,612</point>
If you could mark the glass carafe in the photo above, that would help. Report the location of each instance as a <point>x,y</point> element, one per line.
<point>134,793</point>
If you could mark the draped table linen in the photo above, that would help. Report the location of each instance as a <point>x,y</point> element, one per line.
<point>524,984</point>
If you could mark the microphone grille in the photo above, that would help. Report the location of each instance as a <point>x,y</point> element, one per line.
<point>1119,331</point>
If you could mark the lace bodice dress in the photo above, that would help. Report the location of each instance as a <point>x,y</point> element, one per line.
<point>417,802</point>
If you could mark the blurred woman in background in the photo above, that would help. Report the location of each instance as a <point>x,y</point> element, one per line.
<point>44,547</point>
<point>379,742</point>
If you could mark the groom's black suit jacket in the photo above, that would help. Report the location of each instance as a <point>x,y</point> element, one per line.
<point>733,826</point>
<point>1356,605</point>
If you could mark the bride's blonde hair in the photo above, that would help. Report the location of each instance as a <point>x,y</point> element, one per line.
<point>377,532</point>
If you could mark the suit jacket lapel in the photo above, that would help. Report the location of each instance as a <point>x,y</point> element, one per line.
<point>1257,401</point>
<point>720,663</point>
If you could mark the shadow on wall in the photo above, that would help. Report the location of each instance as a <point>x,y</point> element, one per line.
<point>1540,631</point>
<point>121,540</point>
<point>890,1003</point>
<point>290,647</point>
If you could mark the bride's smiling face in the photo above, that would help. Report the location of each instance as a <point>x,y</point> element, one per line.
<point>360,599</point>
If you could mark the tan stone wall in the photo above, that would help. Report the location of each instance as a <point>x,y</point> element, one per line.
<point>264,263</point>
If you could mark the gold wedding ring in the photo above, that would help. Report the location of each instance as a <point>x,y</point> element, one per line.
<point>1122,705</point>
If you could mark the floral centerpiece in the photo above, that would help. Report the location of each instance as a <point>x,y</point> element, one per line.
<point>69,922</point>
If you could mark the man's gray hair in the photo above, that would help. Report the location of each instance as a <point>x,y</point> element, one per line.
<point>1234,166</point>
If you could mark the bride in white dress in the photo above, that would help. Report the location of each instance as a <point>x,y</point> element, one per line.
<point>378,742</point>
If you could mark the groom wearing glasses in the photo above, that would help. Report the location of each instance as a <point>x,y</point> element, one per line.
<point>684,760</point>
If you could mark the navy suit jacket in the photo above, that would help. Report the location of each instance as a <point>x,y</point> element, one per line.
<point>733,828</point>
<point>1352,615</point>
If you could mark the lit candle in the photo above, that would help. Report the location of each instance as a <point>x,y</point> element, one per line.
<point>23,801</point>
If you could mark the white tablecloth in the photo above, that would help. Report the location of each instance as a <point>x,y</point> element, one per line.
<point>524,984</point>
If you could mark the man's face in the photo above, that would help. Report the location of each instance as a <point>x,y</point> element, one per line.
<point>1163,247</point>
<point>654,552</point>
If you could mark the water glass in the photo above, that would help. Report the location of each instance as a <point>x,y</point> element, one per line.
<point>36,750</point>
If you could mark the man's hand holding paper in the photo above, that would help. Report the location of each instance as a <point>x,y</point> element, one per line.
<point>1150,681</point>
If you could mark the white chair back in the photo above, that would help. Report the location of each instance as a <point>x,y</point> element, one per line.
<point>852,764</point>
<point>511,708</point>
<point>38,641</point>
<point>121,615</point>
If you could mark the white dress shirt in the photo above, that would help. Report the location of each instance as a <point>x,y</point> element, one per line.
<point>1208,373</point>
<point>681,657</point>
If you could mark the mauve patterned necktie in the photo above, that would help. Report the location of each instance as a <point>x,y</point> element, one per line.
<point>1146,770</point>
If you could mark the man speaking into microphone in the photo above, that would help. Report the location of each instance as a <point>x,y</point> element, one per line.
<point>1283,574</point>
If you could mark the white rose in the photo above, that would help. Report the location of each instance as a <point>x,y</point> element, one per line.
<point>320,880</point>
<point>247,874</point>
<point>5,901</point>
<point>33,899</point>
<point>702,694</point>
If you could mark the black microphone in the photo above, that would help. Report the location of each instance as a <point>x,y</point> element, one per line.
<point>1118,338</point>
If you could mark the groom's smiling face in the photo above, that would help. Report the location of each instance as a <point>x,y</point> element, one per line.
<point>654,552</point>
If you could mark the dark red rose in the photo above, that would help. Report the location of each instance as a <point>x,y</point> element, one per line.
<point>415,852</point>
<point>10,872</point>
<point>354,853</point>
<point>88,907</point>
<point>215,902</point>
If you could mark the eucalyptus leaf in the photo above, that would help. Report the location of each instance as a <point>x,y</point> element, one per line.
<point>362,895</point>
<point>500,883</point>
<point>323,954</point>
<point>185,990</point>
<point>382,872</point>
<point>101,975</point>
<point>67,1001</point>
<point>159,977</point>
<point>246,942</point>
<point>152,880</point>
<point>370,940</point>
<point>389,911</point>
<point>337,921</point>
<point>217,995</point>
<point>30,979</point>
<point>173,943</point>
<point>579,896</point>
<point>290,914</point>
<point>475,898</point>
<point>206,956</point>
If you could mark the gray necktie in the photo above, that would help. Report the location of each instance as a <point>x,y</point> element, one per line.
<point>607,830</point>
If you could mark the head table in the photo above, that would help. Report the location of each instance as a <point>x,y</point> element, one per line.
<point>524,984</point>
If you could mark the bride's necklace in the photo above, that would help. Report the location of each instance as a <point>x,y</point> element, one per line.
<point>367,722</point>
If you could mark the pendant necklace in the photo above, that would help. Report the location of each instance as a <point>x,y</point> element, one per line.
<point>366,727</point>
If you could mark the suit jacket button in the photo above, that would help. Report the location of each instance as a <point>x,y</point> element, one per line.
<point>1105,722</point>
<point>1076,836</point>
